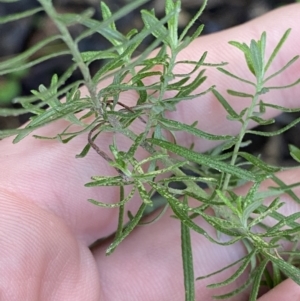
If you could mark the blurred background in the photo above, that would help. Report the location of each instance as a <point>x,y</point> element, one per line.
<point>17,36</point>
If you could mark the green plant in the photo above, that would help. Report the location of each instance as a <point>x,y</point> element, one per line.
<point>222,170</point>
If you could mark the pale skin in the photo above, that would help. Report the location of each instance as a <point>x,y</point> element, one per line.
<point>47,225</point>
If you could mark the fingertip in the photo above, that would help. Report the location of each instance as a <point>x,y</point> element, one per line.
<point>287,290</point>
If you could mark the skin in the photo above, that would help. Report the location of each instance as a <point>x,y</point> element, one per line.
<point>47,225</point>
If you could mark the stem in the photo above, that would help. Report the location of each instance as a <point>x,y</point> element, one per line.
<point>242,133</point>
<point>73,49</point>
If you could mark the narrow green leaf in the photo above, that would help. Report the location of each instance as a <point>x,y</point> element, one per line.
<point>143,96</point>
<point>239,94</point>
<point>106,13</point>
<point>18,16</point>
<point>274,206</point>
<point>288,64</point>
<point>222,225</point>
<point>130,226</point>
<point>178,126</point>
<point>180,209</point>
<point>187,260</point>
<point>90,56</point>
<point>277,48</point>
<point>238,290</point>
<point>193,20</point>
<point>257,280</point>
<point>245,262</point>
<point>274,133</point>
<point>143,193</point>
<point>170,8</point>
<point>259,163</point>
<point>160,171</point>
<point>225,105</point>
<point>115,205</point>
<point>246,50</point>
<point>257,59</point>
<point>30,64</point>
<point>151,21</point>
<point>17,60</point>
<point>235,76</point>
<point>251,207</point>
<point>280,108</point>
<point>188,89</point>
<point>223,269</point>
<point>262,121</point>
<point>177,85</point>
<point>206,160</point>
<point>49,116</point>
<point>294,152</point>
<point>107,181</point>
<point>286,86</point>
<point>121,214</point>
<point>289,270</point>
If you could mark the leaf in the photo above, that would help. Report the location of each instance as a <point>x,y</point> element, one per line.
<point>245,262</point>
<point>178,126</point>
<point>187,260</point>
<point>294,152</point>
<point>160,171</point>
<point>130,226</point>
<point>226,105</point>
<point>49,116</point>
<point>173,8</point>
<point>192,21</point>
<point>239,94</point>
<point>32,63</point>
<point>286,86</point>
<point>223,269</point>
<point>289,270</point>
<point>262,121</point>
<point>143,193</point>
<point>19,59</point>
<point>159,31</point>
<point>274,133</point>
<point>206,160</point>
<point>107,181</point>
<point>247,53</point>
<point>89,56</point>
<point>277,48</point>
<point>238,290</point>
<point>257,280</point>
<point>235,76</point>
<point>180,209</point>
<point>188,89</point>
<point>115,205</point>
<point>18,16</point>
<point>288,64</point>
<point>280,108</point>
<point>259,163</point>
<point>274,206</point>
<point>222,225</point>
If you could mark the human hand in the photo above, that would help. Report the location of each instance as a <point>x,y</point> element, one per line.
<point>47,226</point>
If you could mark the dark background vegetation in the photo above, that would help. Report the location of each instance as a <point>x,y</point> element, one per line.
<point>18,36</point>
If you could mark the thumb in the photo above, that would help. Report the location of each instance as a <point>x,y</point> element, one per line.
<point>287,290</point>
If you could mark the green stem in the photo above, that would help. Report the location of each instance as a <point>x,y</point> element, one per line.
<point>242,133</point>
<point>66,36</point>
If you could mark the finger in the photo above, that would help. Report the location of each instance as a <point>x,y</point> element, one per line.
<point>287,290</point>
<point>47,173</point>
<point>148,263</point>
<point>40,258</point>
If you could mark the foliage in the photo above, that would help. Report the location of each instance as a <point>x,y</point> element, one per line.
<point>240,217</point>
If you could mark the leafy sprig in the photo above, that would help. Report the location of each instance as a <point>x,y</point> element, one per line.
<point>241,217</point>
